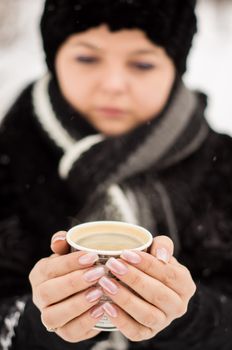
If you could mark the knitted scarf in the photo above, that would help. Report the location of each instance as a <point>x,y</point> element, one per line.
<point>116,178</point>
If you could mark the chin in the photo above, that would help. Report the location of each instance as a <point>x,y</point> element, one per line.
<point>113,129</point>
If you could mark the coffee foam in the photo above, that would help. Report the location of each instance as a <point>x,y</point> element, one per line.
<point>109,241</point>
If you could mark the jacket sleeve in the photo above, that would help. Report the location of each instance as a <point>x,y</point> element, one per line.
<point>31,334</point>
<point>15,248</point>
<point>206,325</point>
<point>20,323</point>
<point>205,211</point>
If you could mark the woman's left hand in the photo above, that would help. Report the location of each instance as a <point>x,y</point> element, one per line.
<point>162,286</point>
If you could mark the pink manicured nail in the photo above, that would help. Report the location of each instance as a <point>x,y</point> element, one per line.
<point>97,312</point>
<point>131,257</point>
<point>108,285</point>
<point>116,266</point>
<point>110,310</point>
<point>88,258</point>
<point>93,295</point>
<point>94,274</point>
<point>58,238</point>
<point>163,255</point>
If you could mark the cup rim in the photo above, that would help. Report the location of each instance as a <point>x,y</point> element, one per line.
<point>107,252</point>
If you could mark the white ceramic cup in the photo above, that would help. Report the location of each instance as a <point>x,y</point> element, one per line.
<point>140,237</point>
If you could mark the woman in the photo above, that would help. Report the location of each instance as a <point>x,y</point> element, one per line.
<point>111,132</point>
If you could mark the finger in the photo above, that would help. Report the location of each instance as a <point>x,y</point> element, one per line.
<point>81,328</point>
<point>60,288</point>
<point>57,315</point>
<point>149,294</point>
<point>162,248</point>
<point>145,313</point>
<point>174,275</point>
<point>132,330</point>
<point>59,244</point>
<point>55,266</point>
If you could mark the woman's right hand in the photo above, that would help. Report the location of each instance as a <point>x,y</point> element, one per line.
<point>63,290</point>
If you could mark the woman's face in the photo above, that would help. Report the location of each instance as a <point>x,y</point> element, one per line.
<point>118,80</point>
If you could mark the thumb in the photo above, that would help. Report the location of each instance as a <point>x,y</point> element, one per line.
<point>162,248</point>
<point>59,244</point>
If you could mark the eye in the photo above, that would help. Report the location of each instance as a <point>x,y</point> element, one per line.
<point>86,59</point>
<point>143,66</point>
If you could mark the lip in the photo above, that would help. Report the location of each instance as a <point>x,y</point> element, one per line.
<point>111,110</point>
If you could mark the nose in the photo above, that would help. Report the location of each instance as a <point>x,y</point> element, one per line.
<point>114,80</point>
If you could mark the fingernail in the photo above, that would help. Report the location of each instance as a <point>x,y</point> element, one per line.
<point>97,312</point>
<point>93,295</point>
<point>88,258</point>
<point>108,285</point>
<point>110,310</point>
<point>163,255</point>
<point>116,266</point>
<point>94,274</point>
<point>131,257</point>
<point>58,238</point>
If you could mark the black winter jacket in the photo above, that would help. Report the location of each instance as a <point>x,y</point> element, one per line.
<point>36,202</point>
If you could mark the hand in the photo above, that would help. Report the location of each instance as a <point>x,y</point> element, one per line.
<point>163,289</point>
<point>60,290</point>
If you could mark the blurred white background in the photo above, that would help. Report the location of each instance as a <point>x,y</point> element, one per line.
<point>209,65</point>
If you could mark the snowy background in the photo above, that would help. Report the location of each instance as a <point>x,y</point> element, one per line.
<point>210,62</point>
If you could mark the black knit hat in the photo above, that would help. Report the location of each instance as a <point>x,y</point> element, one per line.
<point>168,23</point>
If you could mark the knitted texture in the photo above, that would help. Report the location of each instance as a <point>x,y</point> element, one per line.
<point>168,23</point>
